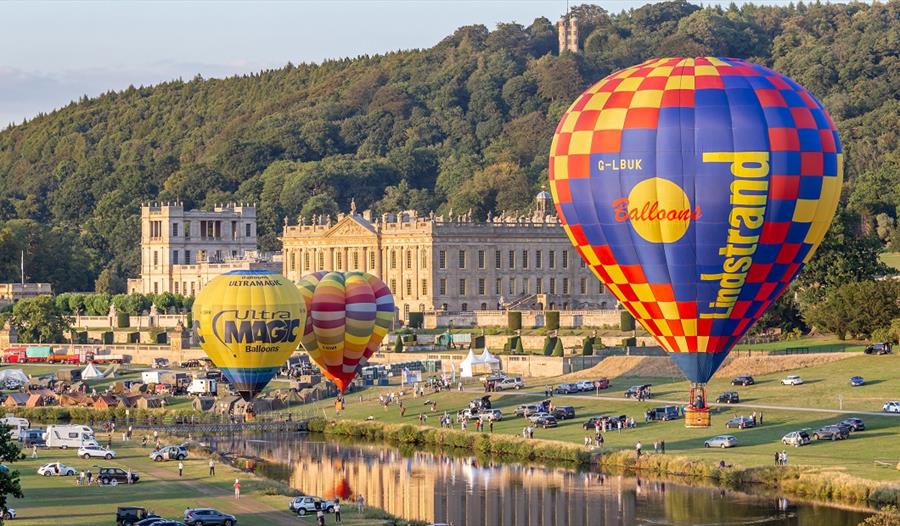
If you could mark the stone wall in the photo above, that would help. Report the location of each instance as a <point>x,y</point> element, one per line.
<point>162,321</point>
<point>531,319</point>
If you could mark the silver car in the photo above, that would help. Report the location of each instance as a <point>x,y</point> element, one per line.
<point>721,441</point>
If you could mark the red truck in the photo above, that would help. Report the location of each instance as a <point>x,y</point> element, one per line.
<point>14,355</point>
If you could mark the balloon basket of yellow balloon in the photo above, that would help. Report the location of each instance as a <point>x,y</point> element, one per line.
<point>696,415</point>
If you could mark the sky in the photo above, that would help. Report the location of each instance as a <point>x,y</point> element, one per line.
<point>54,52</point>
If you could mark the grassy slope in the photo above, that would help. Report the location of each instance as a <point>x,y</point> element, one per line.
<point>56,500</point>
<point>891,259</point>
<point>880,441</point>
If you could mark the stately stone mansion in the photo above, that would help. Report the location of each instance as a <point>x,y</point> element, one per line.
<point>444,263</point>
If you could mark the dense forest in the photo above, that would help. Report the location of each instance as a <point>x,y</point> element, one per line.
<point>465,124</point>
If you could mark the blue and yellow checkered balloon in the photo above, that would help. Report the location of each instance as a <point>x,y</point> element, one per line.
<point>696,189</point>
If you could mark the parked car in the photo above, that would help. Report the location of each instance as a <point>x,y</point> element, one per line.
<point>527,409</point>
<point>208,517</point>
<point>132,515</point>
<point>831,433</point>
<point>9,514</point>
<point>591,422</point>
<point>665,413</point>
<point>57,469</point>
<point>856,381</point>
<point>567,389</point>
<point>721,441</point>
<point>151,521</point>
<point>510,382</point>
<point>482,402</point>
<point>32,437</point>
<point>94,451</point>
<point>540,414</point>
<point>491,415</point>
<point>796,438</point>
<point>891,407</point>
<point>585,385</point>
<point>168,523</point>
<point>879,348</point>
<point>741,422</point>
<point>855,424</point>
<point>169,453</point>
<point>115,476</point>
<point>601,383</point>
<point>159,363</point>
<point>636,391</point>
<point>792,380</point>
<point>743,380</point>
<point>189,364</point>
<point>564,412</point>
<point>545,421</point>
<point>309,504</point>
<point>728,397</point>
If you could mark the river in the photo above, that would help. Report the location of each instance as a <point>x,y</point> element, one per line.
<point>465,491</point>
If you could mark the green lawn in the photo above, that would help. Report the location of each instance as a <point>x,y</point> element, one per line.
<point>757,446</point>
<point>891,259</point>
<point>52,501</point>
<point>814,344</point>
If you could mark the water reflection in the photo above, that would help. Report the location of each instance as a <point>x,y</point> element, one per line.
<point>465,491</point>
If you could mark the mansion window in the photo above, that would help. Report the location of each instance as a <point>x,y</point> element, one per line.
<point>340,263</point>
<point>497,262</point>
<point>155,258</point>
<point>176,287</point>
<point>321,260</point>
<point>525,282</point>
<point>481,286</point>
<point>462,286</point>
<point>442,259</point>
<point>512,286</point>
<point>462,259</point>
<point>306,261</point>
<point>372,260</point>
<point>538,286</point>
<point>424,288</point>
<point>481,259</point>
<point>538,259</point>
<point>293,261</point>
<point>424,255</point>
<point>512,259</point>
<point>393,285</point>
<point>355,259</point>
<point>442,288</point>
<point>583,286</point>
<point>393,259</point>
<point>497,286</point>
<point>465,307</point>
<point>581,263</point>
<point>409,288</point>
<point>565,259</point>
<point>187,257</point>
<point>247,228</point>
<point>565,285</point>
<point>409,259</point>
<point>174,257</point>
<point>552,285</point>
<point>552,259</point>
<point>524,259</point>
<point>174,229</point>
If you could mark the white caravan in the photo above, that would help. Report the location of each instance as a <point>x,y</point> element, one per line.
<point>68,436</point>
<point>16,425</point>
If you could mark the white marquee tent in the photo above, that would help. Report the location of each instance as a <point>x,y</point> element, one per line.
<point>484,364</point>
<point>91,371</point>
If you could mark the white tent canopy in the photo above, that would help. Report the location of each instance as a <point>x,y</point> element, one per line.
<point>484,364</point>
<point>91,371</point>
<point>15,375</point>
<point>467,365</point>
<point>488,358</point>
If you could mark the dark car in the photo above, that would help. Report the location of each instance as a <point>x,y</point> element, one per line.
<point>591,422</point>
<point>879,348</point>
<point>741,422</point>
<point>637,391</point>
<point>32,437</point>
<point>208,517</point>
<point>856,381</point>
<point>115,476</point>
<point>728,397</point>
<point>153,521</point>
<point>545,421</point>
<point>831,433</point>
<point>567,389</point>
<point>131,515</point>
<point>665,413</point>
<point>855,424</point>
<point>564,412</point>
<point>743,380</point>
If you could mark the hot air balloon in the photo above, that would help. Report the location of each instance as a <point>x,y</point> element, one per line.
<point>349,313</point>
<point>696,189</point>
<point>249,322</point>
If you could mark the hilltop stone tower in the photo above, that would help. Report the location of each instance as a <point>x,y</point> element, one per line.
<point>567,30</point>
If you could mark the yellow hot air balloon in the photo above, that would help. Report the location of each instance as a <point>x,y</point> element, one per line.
<point>249,322</point>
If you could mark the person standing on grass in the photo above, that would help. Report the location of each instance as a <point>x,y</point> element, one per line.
<point>320,517</point>
<point>491,426</point>
<point>637,450</point>
<point>90,477</point>
<point>81,478</point>
<point>662,447</point>
<point>128,476</point>
<point>337,511</point>
<point>360,503</point>
<point>34,451</point>
<point>180,468</point>
<point>237,489</point>
<point>777,458</point>
<point>212,468</point>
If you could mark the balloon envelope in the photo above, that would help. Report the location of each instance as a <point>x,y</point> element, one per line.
<point>249,322</point>
<point>349,313</point>
<point>696,189</point>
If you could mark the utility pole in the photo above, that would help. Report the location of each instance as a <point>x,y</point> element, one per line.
<point>22,266</point>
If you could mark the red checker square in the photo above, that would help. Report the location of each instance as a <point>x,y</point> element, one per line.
<point>662,292</point>
<point>784,187</point>
<point>641,72</point>
<point>683,70</point>
<point>634,274</point>
<point>676,327</point>
<point>642,118</point>
<point>619,99</point>
<point>650,325</point>
<point>726,70</point>
<point>827,138</point>
<point>742,326</point>
<point>774,232</point>
<point>745,71</point>
<point>582,101</point>
<point>779,82</point>
<point>740,309</point>
<point>604,254</point>
<point>559,210</point>
<point>704,326</point>
<point>784,139</point>
<point>765,291</point>
<point>563,191</point>
<point>578,234</point>
<point>803,118</point>
<point>678,98</point>
<point>687,309</point>
<point>790,273</point>
<point>562,143</point>
<point>788,253</point>
<point>601,272</point>
<point>653,309</point>
<point>606,141</point>
<point>708,82</point>
<point>609,85</point>
<point>759,271</point>
<point>579,166</point>
<point>562,121</point>
<point>691,343</point>
<point>653,83</point>
<point>808,99</point>
<point>811,163</point>
<point>586,120</point>
<point>715,344</point>
<point>770,97</point>
<point>628,292</point>
<point>762,308</point>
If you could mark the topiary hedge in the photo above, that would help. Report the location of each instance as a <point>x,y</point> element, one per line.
<point>552,320</point>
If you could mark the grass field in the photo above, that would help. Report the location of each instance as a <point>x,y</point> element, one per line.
<point>891,259</point>
<point>824,385</point>
<point>57,500</point>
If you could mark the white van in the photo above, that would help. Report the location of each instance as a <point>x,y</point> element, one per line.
<point>68,436</point>
<point>16,425</point>
<point>203,387</point>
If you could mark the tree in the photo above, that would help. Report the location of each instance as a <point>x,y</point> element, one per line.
<point>398,345</point>
<point>165,301</point>
<point>9,478</point>
<point>587,346</point>
<point>40,320</point>
<point>856,309</point>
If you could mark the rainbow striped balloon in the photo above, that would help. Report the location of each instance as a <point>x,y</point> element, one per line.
<point>349,313</point>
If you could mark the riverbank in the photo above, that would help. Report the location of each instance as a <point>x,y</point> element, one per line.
<point>798,481</point>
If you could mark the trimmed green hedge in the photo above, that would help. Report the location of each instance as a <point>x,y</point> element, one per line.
<point>514,320</point>
<point>587,346</point>
<point>552,319</point>
<point>626,321</point>
<point>122,320</point>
